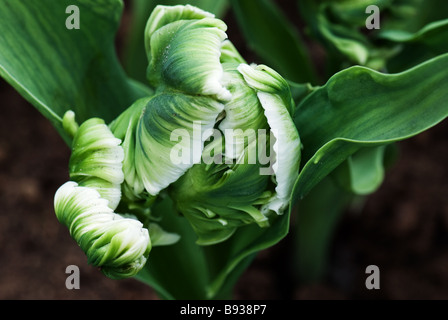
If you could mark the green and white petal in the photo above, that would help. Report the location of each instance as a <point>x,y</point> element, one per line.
<point>164,15</point>
<point>124,128</point>
<point>265,79</point>
<point>170,137</point>
<point>184,50</point>
<point>96,160</point>
<point>244,115</point>
<point>230,54</point>
<point>287,149</point>
<point>119,246</point>
<point>273,95</point>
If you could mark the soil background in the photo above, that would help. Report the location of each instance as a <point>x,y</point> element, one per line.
<point>402,228</point>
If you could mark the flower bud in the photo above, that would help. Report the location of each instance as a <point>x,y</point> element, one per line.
<point>239,188</point>
<point>183,44</point>
<point>119,246</point>
<point>217,135</point>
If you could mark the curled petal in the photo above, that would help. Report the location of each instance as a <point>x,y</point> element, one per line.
<point>124,128</point>
<point>168,137</point>
<point>244,114</point>
<point>164,15</point>
<point>96,160</point>
<point>274,95</point>
<point>119,246</point>
<point>184,48</point>
<point>264,79</point>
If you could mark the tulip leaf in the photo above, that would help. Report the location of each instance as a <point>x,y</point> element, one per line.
<point>359,107</point>
<point>56,68</point>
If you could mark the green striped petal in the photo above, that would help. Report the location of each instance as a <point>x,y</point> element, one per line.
<point>119,246</point>
<point>275,98</point>
<point>96,160</point>
<point>183,44</point>
<point>243,114</point>
<point>124,128</point>
<point>170,136</point>
<point>230,54</point>
<point>164,15</point>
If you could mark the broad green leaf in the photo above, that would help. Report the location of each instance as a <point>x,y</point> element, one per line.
<point>134,55</point>
<point>57,69</point>
<point>274,39</point>
<point>359,107</point>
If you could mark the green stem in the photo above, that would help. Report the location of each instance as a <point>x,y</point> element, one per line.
<point>318,215</point>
